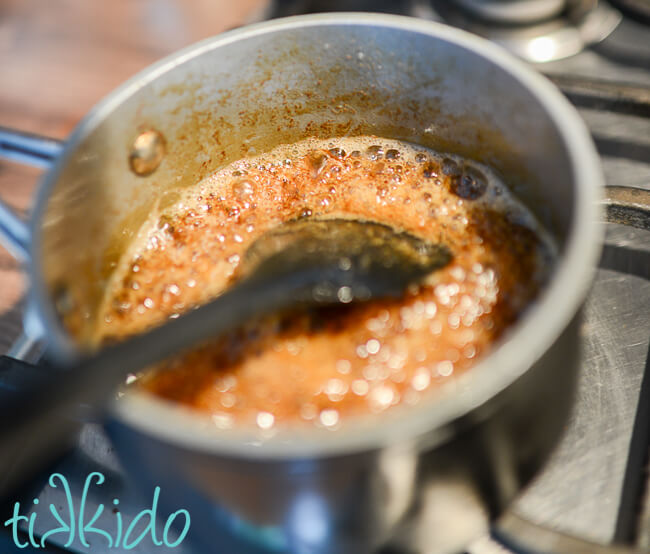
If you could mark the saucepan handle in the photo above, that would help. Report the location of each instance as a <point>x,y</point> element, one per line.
<point>31,150</point>
<point>40,152</point>
<point>628,206</point>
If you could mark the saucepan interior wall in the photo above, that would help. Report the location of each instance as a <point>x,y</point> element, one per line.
<point>240,95</point>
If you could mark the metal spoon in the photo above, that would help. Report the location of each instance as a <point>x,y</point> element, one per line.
<point>303,262</point>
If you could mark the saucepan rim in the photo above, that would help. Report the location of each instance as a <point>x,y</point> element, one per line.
<point>523,345</point>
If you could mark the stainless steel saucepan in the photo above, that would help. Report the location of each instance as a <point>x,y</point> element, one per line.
<point>472,445</point>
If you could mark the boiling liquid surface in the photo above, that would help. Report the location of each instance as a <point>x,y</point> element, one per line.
<point>321,366</point>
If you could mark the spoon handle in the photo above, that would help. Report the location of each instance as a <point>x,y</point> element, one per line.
<point>39,418</point>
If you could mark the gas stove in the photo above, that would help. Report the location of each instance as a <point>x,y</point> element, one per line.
<point>595,490</point>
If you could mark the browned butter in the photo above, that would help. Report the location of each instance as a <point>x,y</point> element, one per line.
<point>322,366</point>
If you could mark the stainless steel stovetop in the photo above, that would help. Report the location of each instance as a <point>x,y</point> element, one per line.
<point>596,486</point>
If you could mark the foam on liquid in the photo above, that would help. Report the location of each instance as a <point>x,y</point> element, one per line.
<point>325,365</point>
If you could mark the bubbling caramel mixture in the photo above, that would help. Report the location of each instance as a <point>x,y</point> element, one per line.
<point>323,365</point>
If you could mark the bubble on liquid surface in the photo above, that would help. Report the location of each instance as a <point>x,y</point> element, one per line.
<point>243,188</point>
<point>375,152</point>
<point>343,367</point>
<point>265,420</point>
<point>317,161</point>
<point>450,167</point>
<point>421,379</point>
<point>381,397</point>
<point>471,185</point>
<point>329,418</point>
<point>360,387</point>
<point>344,294</point>
<point>430,171</point>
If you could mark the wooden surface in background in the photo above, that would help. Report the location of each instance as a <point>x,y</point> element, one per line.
<point>60,57</point>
